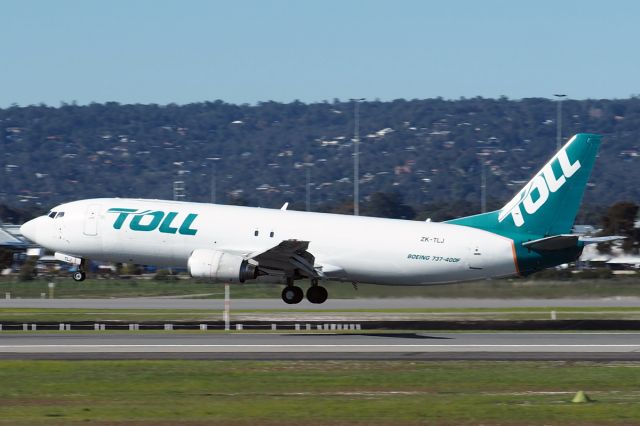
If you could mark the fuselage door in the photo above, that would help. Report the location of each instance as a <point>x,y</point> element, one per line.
<point>91,220</point>
<point>475,258</point>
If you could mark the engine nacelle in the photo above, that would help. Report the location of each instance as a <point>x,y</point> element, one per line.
<point>219,266</point>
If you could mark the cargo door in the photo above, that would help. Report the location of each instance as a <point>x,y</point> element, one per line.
<point>91,220</point>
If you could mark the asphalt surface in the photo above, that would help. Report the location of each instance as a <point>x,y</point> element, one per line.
<point>382,346</point>
<point>331,304</point>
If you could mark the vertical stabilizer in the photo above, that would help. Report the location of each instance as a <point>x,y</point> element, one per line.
<point>548,203</point>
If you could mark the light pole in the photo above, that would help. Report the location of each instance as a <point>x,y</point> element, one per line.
<point>3,185</point>
<point>213,177</point>
<point>483,188</point>
<point>559,120</point>
<point>356,156</point>
<point>307,167</point>
<point>179,187</point>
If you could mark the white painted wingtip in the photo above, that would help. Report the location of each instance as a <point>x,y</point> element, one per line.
<point>284,206</point>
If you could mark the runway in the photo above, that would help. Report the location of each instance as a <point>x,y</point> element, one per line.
<point>266,346</point>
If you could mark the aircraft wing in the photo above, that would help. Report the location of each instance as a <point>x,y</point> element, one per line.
<point>289,255</point>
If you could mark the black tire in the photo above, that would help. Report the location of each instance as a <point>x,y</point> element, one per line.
<point>79,276</point>
<point>317,294</point>
<point>292,294</point>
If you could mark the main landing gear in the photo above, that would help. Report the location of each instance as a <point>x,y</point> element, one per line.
<point>317,294</point>
<point>293,294</point>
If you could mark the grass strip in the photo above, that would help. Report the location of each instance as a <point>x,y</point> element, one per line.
<point>316,393</point>
<point>500,288</point>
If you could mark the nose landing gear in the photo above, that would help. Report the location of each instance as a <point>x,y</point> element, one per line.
<point>80,274</point>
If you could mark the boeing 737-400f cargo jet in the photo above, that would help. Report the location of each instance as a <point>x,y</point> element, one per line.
<point>237,244</point>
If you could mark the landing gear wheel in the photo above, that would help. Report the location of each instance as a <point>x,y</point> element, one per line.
<point>317,294</point>
<point>79,276</point>
<point>292,294</point>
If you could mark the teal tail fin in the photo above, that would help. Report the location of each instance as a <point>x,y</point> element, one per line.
<point>549,202</point>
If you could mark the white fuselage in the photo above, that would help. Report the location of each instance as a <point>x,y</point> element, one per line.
<point>348,248</point>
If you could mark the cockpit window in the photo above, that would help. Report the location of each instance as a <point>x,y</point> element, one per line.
<point>52,214</point>
<point>60,214</point>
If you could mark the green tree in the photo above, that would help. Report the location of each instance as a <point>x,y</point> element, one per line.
<point>620,220</point>
<point>6,258</point>
<point>28,269</point>
<point>389,205</point>
<point>131,269</point>
<point>427,150</point>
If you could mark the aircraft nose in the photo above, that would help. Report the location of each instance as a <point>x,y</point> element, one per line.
<point>30,229</point>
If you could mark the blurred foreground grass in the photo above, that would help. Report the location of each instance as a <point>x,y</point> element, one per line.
<point>317,393</point>
<point>502,288</point>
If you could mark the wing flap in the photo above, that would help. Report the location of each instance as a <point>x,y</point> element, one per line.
<point>289,255</point>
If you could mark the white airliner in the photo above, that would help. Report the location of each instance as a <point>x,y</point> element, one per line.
<point>237,244</point>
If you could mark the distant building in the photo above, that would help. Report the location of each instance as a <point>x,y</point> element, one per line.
<point>10,237</point>
<point>615,259</point>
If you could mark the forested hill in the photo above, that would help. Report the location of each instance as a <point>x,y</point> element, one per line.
<point>423,151</point>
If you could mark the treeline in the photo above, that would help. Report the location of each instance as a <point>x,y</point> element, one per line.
<point>428,155</point>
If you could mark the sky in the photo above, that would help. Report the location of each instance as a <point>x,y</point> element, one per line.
<point>251,51</point>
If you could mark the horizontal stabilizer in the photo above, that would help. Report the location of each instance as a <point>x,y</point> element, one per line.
<point>565,241</point>
<point>596,240</point>
<point>557,242</point>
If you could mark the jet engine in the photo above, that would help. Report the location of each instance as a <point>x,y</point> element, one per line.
<point>219,266</point>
